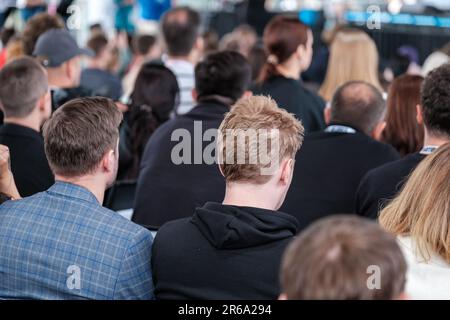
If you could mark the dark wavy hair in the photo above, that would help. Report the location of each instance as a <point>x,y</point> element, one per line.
<point>154,98</point>
<point>435,101</point>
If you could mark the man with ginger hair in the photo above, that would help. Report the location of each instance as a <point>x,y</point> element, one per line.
<point>233,249</point>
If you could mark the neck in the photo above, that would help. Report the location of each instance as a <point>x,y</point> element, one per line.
<point>56,81</point>
<point>289,69</point>
<point>433,140</point>
<point>189,58</point>
<point>249,195</point>
<point>30,122</point>
<point>89,182</point>
<point>96,64</point>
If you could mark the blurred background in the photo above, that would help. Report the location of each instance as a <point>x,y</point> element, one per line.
<point>406,32</point>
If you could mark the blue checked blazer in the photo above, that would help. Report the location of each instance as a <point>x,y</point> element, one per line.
<point>62,244</point>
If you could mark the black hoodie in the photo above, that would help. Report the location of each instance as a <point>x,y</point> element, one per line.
<point>222,252</point>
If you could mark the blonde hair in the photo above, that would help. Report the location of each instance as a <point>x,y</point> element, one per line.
<point>353,57</point>
<point>422,209</point>
<point>260,114</point>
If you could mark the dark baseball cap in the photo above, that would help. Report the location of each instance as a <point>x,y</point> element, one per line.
<point>57,46</point>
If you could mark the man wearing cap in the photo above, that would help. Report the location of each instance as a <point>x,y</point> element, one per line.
<point>60,54</point>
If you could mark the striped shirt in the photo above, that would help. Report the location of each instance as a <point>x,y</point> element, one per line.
<point>184,71</point>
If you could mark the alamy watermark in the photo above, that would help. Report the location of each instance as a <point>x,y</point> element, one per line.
<point>374,279</point>
<point>73,281</point>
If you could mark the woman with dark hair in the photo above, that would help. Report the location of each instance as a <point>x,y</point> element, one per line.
<point>152,101</point>
<point>402,130</point>
<point>288,44</point>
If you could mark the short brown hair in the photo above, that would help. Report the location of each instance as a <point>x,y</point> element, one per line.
<point>180,28</point>
<point>36,26</point>
<point>79,134</point>
<point>332,259</point>
<point>97,43</point>
<point>22,83</point>
<point>256,113</point>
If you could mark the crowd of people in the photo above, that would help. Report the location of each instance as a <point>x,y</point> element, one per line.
<point>243,182</point>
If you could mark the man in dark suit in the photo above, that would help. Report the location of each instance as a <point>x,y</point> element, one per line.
<point>332,163</point>
<point>383,183</point>
<point>25,100</point>
<point>173,180</point>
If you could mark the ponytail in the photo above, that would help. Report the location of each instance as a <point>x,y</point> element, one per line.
<point>269,70</point>
<point>142,124</point>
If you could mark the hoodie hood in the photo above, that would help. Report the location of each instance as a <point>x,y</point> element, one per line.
<point>232,227</point>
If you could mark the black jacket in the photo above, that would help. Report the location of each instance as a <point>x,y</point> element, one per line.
<point>383,183</point>
<point>222,252</point>
<point>29,163</point>
<point>328,170</point>
<point>291,95</point>
<point>168,191</point>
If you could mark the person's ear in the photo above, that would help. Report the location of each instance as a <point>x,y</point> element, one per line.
<point>287,169</point>
<point>68,69</point>
<point>221,170</point>
<point>194,94</point>
<point>200,45</point>
<point>42,102</point>
<point>419,114</point>
<point>327,114</point>
<point>247,94</point>
<point>283,296</point>
<point>109,161</point>
<point>378,131</point>
<point>301,51</point>
<point>45,104</point>
<point>403,296</point>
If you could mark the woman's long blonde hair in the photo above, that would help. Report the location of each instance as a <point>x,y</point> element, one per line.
<point>353,57</point>
<point>422,209</point>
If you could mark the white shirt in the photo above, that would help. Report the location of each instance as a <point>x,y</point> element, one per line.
<point>425,280</point>
<point>184,71</point>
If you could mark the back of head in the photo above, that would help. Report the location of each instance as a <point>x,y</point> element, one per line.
<point>36,26</point>
<point>402,130</point>
<point>254,136</point>
<point>358,104</point>
<point>97,43</point>
<point>435,101</point>
<point>343,258</point>
<point>156,87</point>
<point>180,28</point>
<point>282,36</point>
<point>143,43</point>
<point>79,134</point>
<point>353,57</point>
<point>22,83</point>
<point>153,99</point>
<point>226,74</point>
<point>422,209</point>
<point>241,39</point>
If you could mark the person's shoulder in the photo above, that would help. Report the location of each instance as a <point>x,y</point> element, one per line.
<point>391,169</point>
<point>165,130</point>
<point>23,205</point>
<point>312,95</point>
<point>172,229</point>
<point>113,220</point>
<point>372,144</point>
